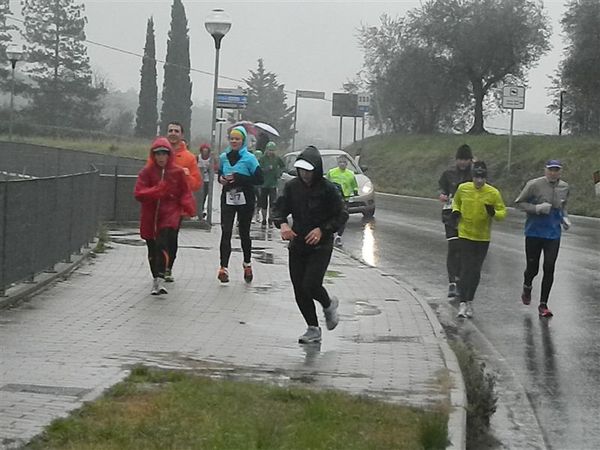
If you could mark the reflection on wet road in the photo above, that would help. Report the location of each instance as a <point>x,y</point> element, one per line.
<point>557,360</point>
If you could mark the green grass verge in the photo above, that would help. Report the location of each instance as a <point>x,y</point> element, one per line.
<point>412,164</point>
<point>157,409</point>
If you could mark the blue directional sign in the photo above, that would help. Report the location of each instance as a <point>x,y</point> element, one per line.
<point>232,98</point>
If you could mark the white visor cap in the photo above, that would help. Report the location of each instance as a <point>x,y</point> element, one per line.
<point>303,164</point>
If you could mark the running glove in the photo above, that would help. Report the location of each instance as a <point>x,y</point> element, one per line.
<point>543,208</point>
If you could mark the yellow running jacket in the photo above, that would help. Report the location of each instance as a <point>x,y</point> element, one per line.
<point>475,223</point>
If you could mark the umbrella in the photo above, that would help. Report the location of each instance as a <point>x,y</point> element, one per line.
<point>248,126</point>
<point>266,127</point>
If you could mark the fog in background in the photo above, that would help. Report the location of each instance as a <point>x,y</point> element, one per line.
<point>310,45</point>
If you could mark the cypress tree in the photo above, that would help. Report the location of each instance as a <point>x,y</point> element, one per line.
<point>177,87</point>
<point>64,93</point>
<point>147,114</point>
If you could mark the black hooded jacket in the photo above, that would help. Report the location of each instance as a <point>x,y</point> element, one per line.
<point>318,205</point>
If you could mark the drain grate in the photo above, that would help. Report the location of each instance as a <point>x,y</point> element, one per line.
<point>67,391</point>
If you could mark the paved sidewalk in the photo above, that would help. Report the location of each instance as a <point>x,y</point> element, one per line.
<point>75,339</point>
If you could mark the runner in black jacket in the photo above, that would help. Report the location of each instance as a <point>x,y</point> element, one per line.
<point>448,183</point>
<point>317,210</point>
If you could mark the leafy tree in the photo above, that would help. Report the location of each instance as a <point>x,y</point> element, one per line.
<point>5,38</point>
<point>579,72</point>
<point>65,93</point>
<point>267,103</point>
<point>147,114</point>
<point>177,87</point>
<point>485,39</point>
<point>414,87</point>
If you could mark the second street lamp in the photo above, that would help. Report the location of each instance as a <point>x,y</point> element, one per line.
<point>14,55</point>
<point>217,24</point>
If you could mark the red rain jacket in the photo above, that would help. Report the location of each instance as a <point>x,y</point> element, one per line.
<point>164,194</point>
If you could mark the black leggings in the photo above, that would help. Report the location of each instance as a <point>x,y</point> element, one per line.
<point>307,270</point>
<point>472,255</point>
<point>159,254</point>
<point>244,214</point>
<point>533,250</point>
<point>453,255</point>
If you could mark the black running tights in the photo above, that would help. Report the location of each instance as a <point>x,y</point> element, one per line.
<point>307,270</point>
<point>159,255</point>
<point>533,250</point>
<point>472,255</point>
<point>244,214</point>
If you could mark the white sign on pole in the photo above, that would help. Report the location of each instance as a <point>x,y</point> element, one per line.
<point>363,102</point>
<point>513,97</point>
<point>310,94</point>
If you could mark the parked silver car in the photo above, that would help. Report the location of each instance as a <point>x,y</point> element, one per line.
<point>363,203</point>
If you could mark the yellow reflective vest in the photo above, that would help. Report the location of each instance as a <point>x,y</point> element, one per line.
<point>475,223</point>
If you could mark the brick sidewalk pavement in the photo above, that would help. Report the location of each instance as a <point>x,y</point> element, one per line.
<point>75,339</point>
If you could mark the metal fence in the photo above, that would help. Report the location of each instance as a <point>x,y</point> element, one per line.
<point>51,202</point>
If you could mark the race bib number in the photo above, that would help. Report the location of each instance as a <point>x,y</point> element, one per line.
<point>235,198</point>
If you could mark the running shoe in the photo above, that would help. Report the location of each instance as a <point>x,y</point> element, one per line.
<point>248,275</point>
<point>331,315</point>
<point>526,295</point>
<point>161,286</point>
<point>469,312</point>
<point>223,275</point>
<point>452,290</point>
<point>312,335</point>
<point>155,288</point>
<point>337,241</point>
<point>544,311</point>
<point>462,310</point>
<point>169,276</point>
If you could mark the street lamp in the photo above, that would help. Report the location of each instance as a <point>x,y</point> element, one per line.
<point>13,54</point>
<point>217,24</point>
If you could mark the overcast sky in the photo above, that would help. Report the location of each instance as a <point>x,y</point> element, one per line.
<point>309,44</point>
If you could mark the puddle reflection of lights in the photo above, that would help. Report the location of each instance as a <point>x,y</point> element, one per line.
<point>368,247</point>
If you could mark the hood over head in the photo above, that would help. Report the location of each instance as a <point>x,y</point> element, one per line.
<point>311,155</point>
<point>240,129</point>
<point>161,143</point>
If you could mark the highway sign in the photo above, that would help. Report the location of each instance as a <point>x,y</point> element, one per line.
<point>310,94</point>
<point>344,104</point>
<point>513,97</point>
<point>232,98</point>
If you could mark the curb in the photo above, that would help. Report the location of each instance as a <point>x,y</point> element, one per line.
<point>457,418</point>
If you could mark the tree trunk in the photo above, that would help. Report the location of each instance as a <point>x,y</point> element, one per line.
<point>478,95</point>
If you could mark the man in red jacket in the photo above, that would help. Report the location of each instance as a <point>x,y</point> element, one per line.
<point>165,195</point>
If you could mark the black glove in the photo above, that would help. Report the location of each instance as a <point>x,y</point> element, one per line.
<point>454,219</point>
<point>490,210</point>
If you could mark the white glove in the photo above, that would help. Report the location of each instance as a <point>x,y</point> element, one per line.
<point>543,208</point>
<point>566,223</point>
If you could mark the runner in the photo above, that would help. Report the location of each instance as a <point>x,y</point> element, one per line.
<point>346,180</point>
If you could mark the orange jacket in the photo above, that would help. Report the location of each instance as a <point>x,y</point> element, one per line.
<point>186,159</point>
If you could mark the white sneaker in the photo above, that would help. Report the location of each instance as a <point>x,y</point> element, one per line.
<point>161,286</point>
<point>331,315</point>
<point>462,310</point>
<point>337,241</point>
<point>469,311</point>
<point>155,288</point>
<point>312,334</point>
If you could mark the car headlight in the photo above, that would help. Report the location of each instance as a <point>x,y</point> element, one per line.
<point>367,188</point>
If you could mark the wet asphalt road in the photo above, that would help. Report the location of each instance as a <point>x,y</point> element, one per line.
<point>556,360</point>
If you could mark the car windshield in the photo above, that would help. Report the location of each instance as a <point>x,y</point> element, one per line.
<point>329,162</point>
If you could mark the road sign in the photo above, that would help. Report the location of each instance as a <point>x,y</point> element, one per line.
<point>344,105</point>
<point>513,97</point>
<point>310,94</point>
<point>232,98</point>
<point>363,102</point>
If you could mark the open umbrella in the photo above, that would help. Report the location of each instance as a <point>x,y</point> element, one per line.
<point>266,127</point>
<point>248,126</point>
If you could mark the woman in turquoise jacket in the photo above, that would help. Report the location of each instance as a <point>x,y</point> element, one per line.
<point>239,173</point>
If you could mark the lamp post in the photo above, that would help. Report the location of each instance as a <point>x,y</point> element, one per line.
<point>560,113</point>
<point>14,55</point>
<point>217,24</point>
